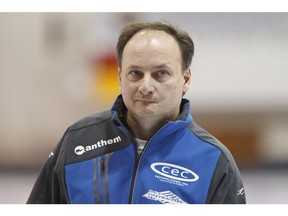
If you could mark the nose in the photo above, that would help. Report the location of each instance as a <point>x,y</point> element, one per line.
<point>146,86</point>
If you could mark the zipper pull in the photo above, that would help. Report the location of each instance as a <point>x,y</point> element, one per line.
<point>102,163</point>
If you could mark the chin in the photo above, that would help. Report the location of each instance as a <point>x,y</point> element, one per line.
<point>146,114</point>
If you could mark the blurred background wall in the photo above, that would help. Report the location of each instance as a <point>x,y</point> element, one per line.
<point>56,68</point>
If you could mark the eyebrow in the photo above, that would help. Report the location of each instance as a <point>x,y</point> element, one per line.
<point>134,67</point>
<point>154,67</point>
<point>161,66</point>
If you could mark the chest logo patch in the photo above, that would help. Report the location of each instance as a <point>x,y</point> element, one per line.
<point>175,172</point>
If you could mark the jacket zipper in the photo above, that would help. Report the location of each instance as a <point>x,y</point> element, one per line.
<point>134,174</point>
<point>138,161</point>
<point>138,157</point>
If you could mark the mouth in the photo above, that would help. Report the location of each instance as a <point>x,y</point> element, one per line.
<point>145,101</point>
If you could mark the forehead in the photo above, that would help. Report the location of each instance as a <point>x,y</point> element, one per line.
<point>152,41</point>
<point>150,33</point>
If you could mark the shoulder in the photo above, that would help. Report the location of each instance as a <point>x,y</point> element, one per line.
<point>208,139</point>
<point>91,120</point>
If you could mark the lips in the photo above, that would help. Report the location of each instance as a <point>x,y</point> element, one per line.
<point>145,101</point>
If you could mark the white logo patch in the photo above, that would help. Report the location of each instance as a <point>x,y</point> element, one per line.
<point>165,197</point>
<point>175,172</point>
<point>79,150</point>
<point>241,191</point>
<point>51,154</point>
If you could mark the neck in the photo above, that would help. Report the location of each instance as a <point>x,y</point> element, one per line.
<point>144,128</point>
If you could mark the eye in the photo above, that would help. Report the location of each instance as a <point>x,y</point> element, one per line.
<point>135,75</point>
<point>161,74</point>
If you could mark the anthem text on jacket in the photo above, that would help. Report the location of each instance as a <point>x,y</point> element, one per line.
<point>79,150</point>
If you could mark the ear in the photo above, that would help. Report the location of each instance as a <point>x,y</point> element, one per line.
<point>187,80</point>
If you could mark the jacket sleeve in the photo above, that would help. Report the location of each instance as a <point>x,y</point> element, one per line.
<point>226,186</point>
<point>47,188</point>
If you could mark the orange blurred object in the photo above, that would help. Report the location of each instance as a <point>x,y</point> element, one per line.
<point>105,79</point>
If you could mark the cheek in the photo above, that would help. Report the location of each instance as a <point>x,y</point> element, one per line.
<point>174,91</point>
<point>127,88</point>
<point>122,83</point>
<point>176,86</point>
<point>180,86</point>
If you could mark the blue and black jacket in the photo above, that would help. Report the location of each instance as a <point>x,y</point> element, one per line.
<point>96,161</point>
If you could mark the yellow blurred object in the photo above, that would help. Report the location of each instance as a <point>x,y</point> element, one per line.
<point>105,85</point>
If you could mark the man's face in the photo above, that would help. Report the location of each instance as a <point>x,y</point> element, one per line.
<point>151,79</point>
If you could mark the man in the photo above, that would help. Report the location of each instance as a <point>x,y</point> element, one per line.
<point>147,148</point>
